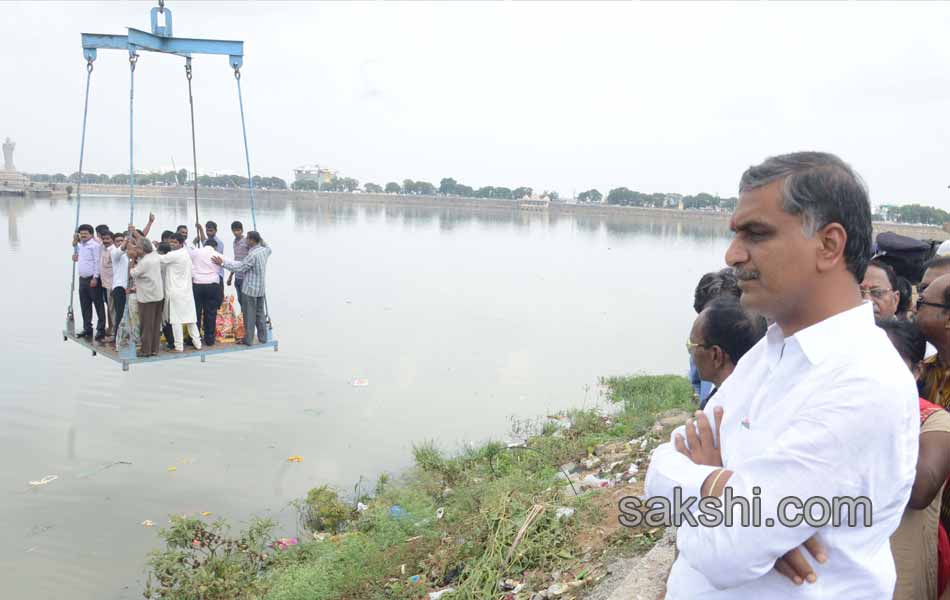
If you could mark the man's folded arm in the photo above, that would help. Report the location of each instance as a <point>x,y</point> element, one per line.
<point>669,469</point>
<point>809,459</point>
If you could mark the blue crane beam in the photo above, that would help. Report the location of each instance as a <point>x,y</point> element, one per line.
<point>161,40</point>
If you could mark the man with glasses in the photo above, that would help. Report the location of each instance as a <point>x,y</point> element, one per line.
<point>722,333</point>
<point>933,269</point>
<point>880,285</point>
<point>933,318</point>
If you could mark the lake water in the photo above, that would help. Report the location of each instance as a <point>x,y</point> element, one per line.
<point>460,320</point>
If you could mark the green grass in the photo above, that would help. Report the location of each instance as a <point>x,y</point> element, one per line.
<point>486,495</point>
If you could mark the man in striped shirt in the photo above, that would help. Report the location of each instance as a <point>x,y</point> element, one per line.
<point>254,268</point>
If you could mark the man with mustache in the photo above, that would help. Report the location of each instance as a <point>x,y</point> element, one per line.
<point>822,407</point>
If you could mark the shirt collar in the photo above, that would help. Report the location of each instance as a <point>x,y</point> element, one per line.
<point>820,340</point>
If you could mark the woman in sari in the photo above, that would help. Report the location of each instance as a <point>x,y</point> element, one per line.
<point>920,545</point>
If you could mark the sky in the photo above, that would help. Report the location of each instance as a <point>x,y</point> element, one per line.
<point>559,96</point>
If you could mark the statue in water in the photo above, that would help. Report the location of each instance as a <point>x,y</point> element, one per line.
<point>8,147</point>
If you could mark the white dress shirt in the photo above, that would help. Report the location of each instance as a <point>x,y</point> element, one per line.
<point>203,269</point>
<point>120,268</point>
<point>831,411</point>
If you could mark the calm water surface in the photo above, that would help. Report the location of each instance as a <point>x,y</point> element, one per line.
<point>460,320</point>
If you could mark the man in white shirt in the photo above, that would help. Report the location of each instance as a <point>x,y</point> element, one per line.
<point>821,408</point>
<point>205,278</point>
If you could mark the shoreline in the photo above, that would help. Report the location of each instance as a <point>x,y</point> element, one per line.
<point>488,522</point>
<point>612,212</point>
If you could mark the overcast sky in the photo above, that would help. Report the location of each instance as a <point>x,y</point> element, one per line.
<point>656,97</point>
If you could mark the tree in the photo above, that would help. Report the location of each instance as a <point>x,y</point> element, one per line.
<point>552,196</point>
<point>521,192</point>
<point>181,176</point>
<point>464,191</point>
<point>447,186</point>
<point>485,192</point>
<point>408,186</point>
<point>58,178</point>
<point>424,188</point>
<point>372,188</point>
<point>590,196</point>
<point>502,192</point>
<point>393,188</point>
<point>305,185</point>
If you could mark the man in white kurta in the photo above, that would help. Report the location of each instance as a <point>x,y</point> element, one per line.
<point>822,407</point>
<point>179,297</point>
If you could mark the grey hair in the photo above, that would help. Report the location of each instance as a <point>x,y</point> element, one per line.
<point>822,189</point>
<point>145,245</point>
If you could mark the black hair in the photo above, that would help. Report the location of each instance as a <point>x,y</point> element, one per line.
<point>237,225</point>
<point>938,262</point>
<point>888,270</point>
<point>118,234</point>
<point>906,337</point>
<point>167,234</point>
<point>100,229</point>
<point>180,238</point>
<point>715,284</point>
<point>211,224</point>
<point>822,189</point>
<point>727,325</point>
<point>254,236</point>
<point>164,248</point>
<point>105,233</point>
<point>180,226</point>
<point>210,242</point>
<point>903,303</point>
<point>85,227</point>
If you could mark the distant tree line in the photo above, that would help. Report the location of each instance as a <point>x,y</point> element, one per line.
<point>912,213</point>
<point>179,177</point>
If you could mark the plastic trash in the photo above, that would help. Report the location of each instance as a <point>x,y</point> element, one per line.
<point>148,523</point>
<point>360,382</point>
<point>396,511</point>
<point>45,480</point>
<point>296,458</point>
<point>283,543</point>
<point>360,507</point>
<point>440,593</point>
<point>415,579</point>
<point>206,514</point>
<point>564,512</point>
<point>440,512</point>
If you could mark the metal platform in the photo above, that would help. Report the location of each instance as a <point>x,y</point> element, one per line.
<point>122,357</point>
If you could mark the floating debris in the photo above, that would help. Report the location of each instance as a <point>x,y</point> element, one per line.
<point>206,514</point>
<point>103,468</point>
<point>148,523</point>
<point>296,458</point>
<point>45,480</point>
<point>360,382</point>
<point>170,469</point>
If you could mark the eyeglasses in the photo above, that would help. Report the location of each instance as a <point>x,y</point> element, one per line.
<point>876,293</point>
<point>690,346</point>
<point>920,302</point>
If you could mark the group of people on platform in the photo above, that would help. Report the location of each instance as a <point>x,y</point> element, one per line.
<point>818,374</point>
<point>168,287</point>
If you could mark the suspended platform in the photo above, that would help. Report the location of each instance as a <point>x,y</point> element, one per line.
<point>127,358</point>
<point>159,41</point>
